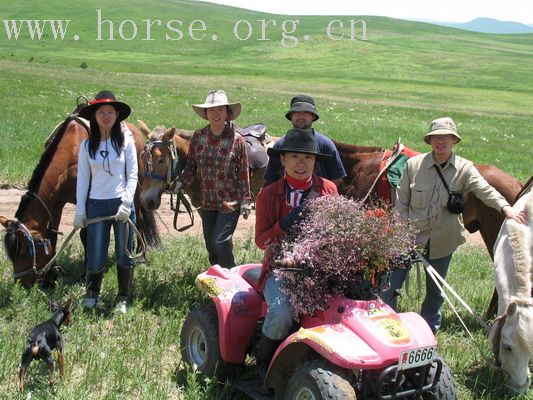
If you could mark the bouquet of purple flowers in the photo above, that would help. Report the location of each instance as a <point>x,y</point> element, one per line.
<point>342,246</point>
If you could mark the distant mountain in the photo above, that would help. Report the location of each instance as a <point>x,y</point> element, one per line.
<point>490,25</point>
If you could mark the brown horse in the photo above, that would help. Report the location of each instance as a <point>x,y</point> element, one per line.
<point>363,164</point>
<point>165,156</point>
<point>30,239</point>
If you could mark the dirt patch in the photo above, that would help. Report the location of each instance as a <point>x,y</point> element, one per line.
<point>10,198</point>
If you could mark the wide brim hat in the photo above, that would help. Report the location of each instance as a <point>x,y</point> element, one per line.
<point>297,141</point>
<point>103,98</point>
<point>302,103</point>
<point>442,126</point>
<point>217,98</point>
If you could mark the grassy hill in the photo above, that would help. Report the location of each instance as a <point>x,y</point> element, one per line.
<point>368,91</point>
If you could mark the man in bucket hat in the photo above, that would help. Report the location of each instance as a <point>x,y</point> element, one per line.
<point>423,198</point>
<point>302,114</point>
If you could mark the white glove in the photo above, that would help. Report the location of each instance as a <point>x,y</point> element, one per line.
<point>123,213</point>
<point>80,221</point>
<point>177,186</point>
<point>246,208</point>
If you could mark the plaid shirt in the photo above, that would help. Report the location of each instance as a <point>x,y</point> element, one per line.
<point>219,165</point>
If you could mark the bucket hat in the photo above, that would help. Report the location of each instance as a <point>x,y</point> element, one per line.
<point>442,126</point>
<point>302,103</point>
<point>105,97</point>
<point>297,141</point>
<point>217,98</point>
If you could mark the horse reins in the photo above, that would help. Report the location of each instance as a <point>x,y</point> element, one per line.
<point>32,241</point>
<point>170,179</point>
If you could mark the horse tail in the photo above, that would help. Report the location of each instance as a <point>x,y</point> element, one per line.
<point>521,253</point>
<point>148,228</point>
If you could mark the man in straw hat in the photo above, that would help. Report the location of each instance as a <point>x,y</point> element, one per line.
<point>428,183</point>
<point>218,163</point>
<point>302,114</point>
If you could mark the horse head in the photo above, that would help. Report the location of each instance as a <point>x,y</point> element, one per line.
<point>511,341</point>
<point>164,158</point>
<point>511,335</point>
<point>27,250</point>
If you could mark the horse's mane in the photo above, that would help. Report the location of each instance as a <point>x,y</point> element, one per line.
<point>43,164</point>
<point>157,133</point>
<point>47,156</point>
<point>352,148</point>
<point>520,251</point>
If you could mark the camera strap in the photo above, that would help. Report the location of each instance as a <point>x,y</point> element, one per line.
<point>442,178</point>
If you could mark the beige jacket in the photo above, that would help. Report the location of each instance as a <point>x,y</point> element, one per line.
<point>421,197</point>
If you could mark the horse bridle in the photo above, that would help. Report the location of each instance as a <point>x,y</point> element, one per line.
<point>497,338</point>
<point>33,241</point>
<point>170,179</point>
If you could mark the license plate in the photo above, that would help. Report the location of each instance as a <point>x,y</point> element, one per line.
<point>416,357</point>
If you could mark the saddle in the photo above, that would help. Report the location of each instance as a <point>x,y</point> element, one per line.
<point>256,138</point>
<point>391,168</point>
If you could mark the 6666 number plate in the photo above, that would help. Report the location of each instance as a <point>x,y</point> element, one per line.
<point>416,357</point>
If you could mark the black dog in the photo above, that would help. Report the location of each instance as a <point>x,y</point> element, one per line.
<point>42,340</point>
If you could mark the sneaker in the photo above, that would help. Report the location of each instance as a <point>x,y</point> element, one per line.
<point>90,302</point>
<point>121,307</point>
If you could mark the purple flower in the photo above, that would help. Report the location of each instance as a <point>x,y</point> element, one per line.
<point>344,247</point>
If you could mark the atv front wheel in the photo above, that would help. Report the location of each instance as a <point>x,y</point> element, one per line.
<point>199,342</point>
<point>319,380</point>
<point>445,389</point>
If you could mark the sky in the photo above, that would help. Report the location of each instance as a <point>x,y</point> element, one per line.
<point>433,10</point>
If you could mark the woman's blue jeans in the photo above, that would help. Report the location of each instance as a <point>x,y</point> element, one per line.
<point>431,309</point>
<point>98,235</point>
<point>278,320</point>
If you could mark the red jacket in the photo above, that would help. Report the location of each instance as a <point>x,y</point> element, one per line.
<point>271,206</point>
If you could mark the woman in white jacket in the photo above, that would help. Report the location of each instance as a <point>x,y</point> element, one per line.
<point>107,179</point>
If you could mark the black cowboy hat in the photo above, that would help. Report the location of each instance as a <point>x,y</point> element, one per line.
<point>302,103</point>
<point>106,97</point>
<point>297,141</point>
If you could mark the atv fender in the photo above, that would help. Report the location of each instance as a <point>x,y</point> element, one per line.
<point>238,305</point>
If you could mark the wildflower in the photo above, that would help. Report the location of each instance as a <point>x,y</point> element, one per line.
<point>344,247</point>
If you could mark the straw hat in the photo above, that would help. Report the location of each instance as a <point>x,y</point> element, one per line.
<point>217,98</point>
<point>106,97</point>
<point>442,126</point>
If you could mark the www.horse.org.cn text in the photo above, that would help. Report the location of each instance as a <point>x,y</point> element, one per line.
<point>107,29</point>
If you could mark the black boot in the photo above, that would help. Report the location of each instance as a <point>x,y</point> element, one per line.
<point>265,350</point>
<point>93,283</point>
<point>125,287</point>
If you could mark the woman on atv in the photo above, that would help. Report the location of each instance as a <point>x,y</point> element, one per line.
<point>278,208</point>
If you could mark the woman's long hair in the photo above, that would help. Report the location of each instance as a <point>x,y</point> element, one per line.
<point>117,138</point>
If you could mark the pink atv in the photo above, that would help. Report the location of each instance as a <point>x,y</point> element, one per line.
<point>356,349</point>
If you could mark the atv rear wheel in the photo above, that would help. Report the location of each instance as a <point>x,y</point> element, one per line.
<point>319,380</point>
<point>445,389</point>
<point>199,342</point>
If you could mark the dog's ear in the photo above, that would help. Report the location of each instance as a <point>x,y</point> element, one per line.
<point>53,305</point>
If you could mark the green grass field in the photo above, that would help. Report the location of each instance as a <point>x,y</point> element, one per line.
<point>368,92</point>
